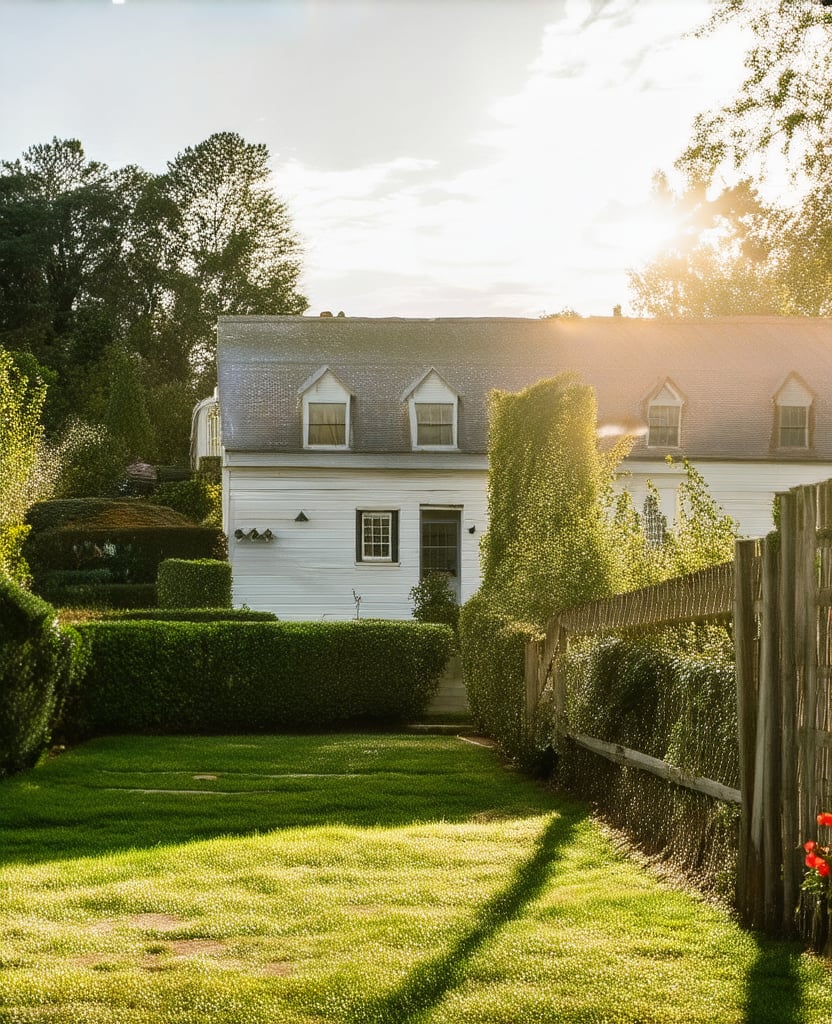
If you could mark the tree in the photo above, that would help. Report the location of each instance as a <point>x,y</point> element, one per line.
<point>784,104</point>
<point>236,247</point>
<point>21,440</point>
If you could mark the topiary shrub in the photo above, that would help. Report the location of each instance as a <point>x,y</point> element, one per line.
<point>197,583</point>
<point>198,499</point>
<point>434,601</point>
<point>37,664</point>
<point>180,677</point>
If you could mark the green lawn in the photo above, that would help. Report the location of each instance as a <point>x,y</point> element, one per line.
<point>369,878</point>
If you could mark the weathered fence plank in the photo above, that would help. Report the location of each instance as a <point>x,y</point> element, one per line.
<point>636,759</point>
<point>788,708</point>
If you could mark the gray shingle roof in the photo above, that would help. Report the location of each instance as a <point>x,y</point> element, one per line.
<point>728,370</point>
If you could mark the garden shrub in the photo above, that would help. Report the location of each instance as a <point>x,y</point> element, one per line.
<point>434,601</point>
<point>180,677</point>
<point>103,595</point>
<point>38,662</point>
<point>493,648</point>
<point>198,498</point>
<point>191,615</point>
<point>200,583</point>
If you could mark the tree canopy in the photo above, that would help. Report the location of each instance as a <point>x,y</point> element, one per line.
<point>738,253</point>
<point>95,260</point>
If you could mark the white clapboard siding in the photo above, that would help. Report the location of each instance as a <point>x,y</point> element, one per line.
<point>309,570</point>
<point>745,490</point>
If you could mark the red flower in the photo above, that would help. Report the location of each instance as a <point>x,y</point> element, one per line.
<point>813,861</point>
<point>822,868</point>
<point>825,818</point>
<point>809,845</point>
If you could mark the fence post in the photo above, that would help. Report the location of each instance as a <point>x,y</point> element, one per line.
<point>765,810</point>
<point>789,750</point>
<point>531,672</point>
<point>749,889</point>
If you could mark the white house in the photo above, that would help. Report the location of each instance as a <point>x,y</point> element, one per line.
<point>355,449</point>
<point>206,429</point>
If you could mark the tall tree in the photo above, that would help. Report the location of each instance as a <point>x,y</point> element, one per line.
<point>238,253</point>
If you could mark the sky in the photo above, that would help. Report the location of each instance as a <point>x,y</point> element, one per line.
<point>438,157</point>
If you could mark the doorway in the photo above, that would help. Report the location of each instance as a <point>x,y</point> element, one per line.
<point>439,544</point>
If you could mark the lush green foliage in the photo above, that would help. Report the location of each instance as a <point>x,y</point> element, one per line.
<point>369,879</point>
<point>21,438</point>
<point>120,543</point>
<point>206,677</point>
<point>547,543</point>
<point>192,615</point>
<point>493,652</point>
<point>669,693</point>
<point>198,499</point>
<point>37,664</point>
<point>113,279</point>
<point>199,583</point>
<point>434,601</point>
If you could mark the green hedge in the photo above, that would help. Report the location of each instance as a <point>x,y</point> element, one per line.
<point>670,693</point>
<point>190,615</point>
<point>178,677</point>
<point>103,595</point>
<point>493,662</point>
<point>37,662</point>
<point>200,583</point>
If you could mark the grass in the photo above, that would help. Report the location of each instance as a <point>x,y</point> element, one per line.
<point>371,879</point>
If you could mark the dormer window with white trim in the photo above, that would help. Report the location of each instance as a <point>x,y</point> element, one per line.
<point>434,413</point>
<point>664,418</point>
<point>326,411</point>
<point>792,405</point>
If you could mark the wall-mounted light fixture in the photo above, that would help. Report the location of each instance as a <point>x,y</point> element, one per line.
<point>254,535</point>
<point>301,517</point>
<point>472,529</point>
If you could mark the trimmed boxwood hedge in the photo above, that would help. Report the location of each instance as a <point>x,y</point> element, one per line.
<point>37,661</point>
<point>190,615</point>
<point>181,677</point>
<point>196,583</point>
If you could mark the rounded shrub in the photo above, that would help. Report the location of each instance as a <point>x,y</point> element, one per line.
<point>37,660</point>
<point>197,583</point>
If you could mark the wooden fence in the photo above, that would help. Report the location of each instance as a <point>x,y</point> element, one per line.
<point>778,594</point>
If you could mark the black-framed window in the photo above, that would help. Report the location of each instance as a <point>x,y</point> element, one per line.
<point>376,535</point>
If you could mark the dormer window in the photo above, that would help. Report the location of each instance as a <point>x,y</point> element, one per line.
<point>792,404</point>
<point>664,418</point>
<point>434,413</point>
<point>326,411</point>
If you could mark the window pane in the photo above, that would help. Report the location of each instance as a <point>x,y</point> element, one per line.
<point>663,423</point>
<point>376,535</point>
<point>793,422</point>
<point>327,423</point>
<point>434,423</point>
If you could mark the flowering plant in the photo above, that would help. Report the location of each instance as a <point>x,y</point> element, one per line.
<point>819,861</point>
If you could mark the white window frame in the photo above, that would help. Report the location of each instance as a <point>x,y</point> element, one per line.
<point>667,397</point>
<point>324,388</point>
<point>414,425</point>
<point>431,389</point>
<point>780,426</point>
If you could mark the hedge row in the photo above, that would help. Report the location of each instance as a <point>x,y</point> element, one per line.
<point>102,595</point>
<point>189,615</point>
<point>178,677</point>
<point>37,663</point>
<point>493,655</point>
<point>195,583</point>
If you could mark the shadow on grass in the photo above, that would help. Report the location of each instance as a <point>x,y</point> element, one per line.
<point>773,989</point>
<point>426,986</point>
<point>132,794</point>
